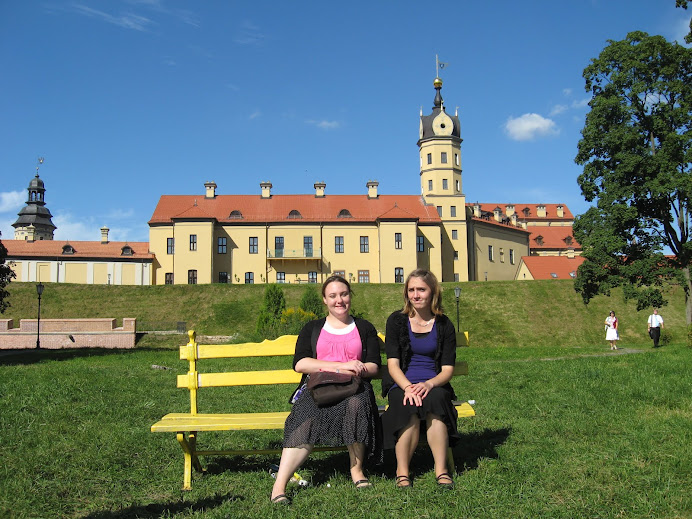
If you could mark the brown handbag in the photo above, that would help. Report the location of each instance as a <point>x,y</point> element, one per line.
<point>329,388</point>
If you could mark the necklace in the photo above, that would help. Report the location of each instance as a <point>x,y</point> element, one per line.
<point>428,323</point>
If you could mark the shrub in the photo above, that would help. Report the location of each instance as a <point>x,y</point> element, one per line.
<point>273,304</point>
<point>311,301</point>
<point>666,337</point>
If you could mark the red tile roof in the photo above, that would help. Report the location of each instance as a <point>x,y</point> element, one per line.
<point>51,249</point>
<point>310,208</point>
<point>543,267</point>
<point>490,220</point>
<point>550,209</point>
<point>553,237</point>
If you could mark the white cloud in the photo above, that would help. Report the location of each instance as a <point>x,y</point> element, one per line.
<point>255,115</point>
<point>126,20</point>
<point>11,201</point>
<point>581,103</point>
<point>566,92</point>
<point>530,126</point>
<point>249,34</point>
<point>558,109</point>
<point>324,125</point>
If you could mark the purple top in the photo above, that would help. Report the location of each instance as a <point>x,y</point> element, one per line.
<point>423,347</point>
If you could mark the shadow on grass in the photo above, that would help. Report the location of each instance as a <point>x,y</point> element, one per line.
<point>471,448</point>
<point>164,509</point>
<point>23,357</point>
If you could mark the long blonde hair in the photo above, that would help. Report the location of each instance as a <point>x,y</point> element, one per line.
<point>436,293</point>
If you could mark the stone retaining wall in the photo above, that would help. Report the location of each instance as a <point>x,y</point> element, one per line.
<point>67,333</point>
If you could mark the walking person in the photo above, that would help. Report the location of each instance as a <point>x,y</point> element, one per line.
<point>611,326</point>
<point>654,325</point>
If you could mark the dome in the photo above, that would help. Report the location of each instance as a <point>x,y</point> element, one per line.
<point>36,183</point>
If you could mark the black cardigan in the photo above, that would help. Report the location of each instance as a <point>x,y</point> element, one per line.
<point>397,344</point>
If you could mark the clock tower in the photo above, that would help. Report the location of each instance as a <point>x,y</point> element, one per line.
<point>440,176</point>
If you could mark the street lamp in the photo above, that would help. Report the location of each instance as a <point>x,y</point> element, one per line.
<point>457,293</point>
<point>39,291</point>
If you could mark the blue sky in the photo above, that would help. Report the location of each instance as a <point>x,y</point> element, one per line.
<point>131,99</point>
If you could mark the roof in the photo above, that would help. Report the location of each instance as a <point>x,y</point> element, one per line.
<point>505,224</point>
<point>552,237</point>
<point>51,249</point>
<point>543,267</point>
<point>531,215</point>
<point>303,208</point>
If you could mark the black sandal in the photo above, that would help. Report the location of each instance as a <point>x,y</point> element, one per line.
<point>403,479</point>
<point>447,486</point>
<point>281,499</point>
<point>363,483</point>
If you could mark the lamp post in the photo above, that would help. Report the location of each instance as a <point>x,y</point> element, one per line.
<point>39,291</point>
<point>457,293</point>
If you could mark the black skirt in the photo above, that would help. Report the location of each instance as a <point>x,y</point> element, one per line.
<point>353,420</point>
<point>397,416</point>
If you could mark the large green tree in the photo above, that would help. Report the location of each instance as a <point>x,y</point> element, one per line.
<point>636,149</point>
<point>6,275</point>
<point>683,4</point>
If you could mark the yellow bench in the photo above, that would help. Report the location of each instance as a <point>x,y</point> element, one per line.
<point>186,426</point>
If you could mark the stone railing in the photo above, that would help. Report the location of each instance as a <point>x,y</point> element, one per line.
<point>67,333</point>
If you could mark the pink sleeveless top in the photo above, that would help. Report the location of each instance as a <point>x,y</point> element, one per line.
<point>339,345</point>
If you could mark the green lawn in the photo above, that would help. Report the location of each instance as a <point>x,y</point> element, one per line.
<point>560,431</point>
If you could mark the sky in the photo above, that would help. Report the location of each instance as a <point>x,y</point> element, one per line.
<point>128,100</point>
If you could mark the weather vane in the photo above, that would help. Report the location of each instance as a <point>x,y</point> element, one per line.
<point>439,65</point>
<point>40,161</point>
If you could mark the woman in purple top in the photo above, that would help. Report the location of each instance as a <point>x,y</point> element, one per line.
<point>421,352</point>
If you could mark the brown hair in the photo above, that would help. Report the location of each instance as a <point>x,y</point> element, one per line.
<point>332,279</point>
<point>436,293</point>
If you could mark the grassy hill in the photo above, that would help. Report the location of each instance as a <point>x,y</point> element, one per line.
<point>535,313</point>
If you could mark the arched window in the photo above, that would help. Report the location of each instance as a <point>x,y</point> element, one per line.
<point>344,213</point>
<point>539,239</point>
<point>235,214</point>
<point>127,251</point>
<point>67,249</point>
<point>295,214</point>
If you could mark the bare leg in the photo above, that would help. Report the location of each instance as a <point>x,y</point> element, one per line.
<point>291,459</point>
<point>406,446</point>
<point>356,453</point>
<point>438,441</point>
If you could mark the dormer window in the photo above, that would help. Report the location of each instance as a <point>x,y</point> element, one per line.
<point>235,215</point>
<point>127,251</point>
<point>568,240</point>
<point>295,214</point>
<point>344,213</point>
<point>553,275</point>
<point>539,240</point>
<point>67,249</point>
<point>526,211</point>
<point>573,274</point>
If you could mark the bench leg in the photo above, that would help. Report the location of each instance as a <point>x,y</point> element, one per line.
<point>190,458</point>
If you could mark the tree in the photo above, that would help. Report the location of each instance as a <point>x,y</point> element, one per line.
<point>6,275</point>
<point>636,149</point>
<point>273,305</point>
<point>683,4</point>
<point>311,301</point>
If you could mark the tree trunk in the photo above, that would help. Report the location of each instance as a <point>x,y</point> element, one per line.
<point>688,295</point>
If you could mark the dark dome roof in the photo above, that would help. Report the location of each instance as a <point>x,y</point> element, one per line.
<point>36,183</point>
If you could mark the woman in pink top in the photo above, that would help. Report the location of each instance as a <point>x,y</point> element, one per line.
<point>343,344</point>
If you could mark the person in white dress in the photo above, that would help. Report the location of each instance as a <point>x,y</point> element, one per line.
<point>611,326</point>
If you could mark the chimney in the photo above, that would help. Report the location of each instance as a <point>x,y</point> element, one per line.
<point>560,211</point>
<point>31,232</point>
<point>319,189</point>
<point>497,213</point>
<point>540,211</point>
<point>513,218</point>
<point>372,188</point>
<point>104,234</point>
<point>211,189</point>
<point>266,189</point>
<point>477,210</point>
<point>509,209</point>
<point>570,253</point>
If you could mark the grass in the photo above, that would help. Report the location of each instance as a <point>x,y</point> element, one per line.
<point>564,432</point>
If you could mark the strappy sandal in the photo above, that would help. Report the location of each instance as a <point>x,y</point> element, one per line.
<point>446,485</point>
<point>281,499</point>
<point>363,483</point>
<point>403,482</point>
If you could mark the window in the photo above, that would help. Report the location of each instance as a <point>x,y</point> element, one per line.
<point>458,186</point>
<point>295,214</point>
<point>278,246</point>
<point>511,256</point>
<point>253,244</point>
<point>68,249</point>
<point>397,240</point>
<point>281,277</point>
<point>169,278</point>
<point>344,213</point>
<point>455,234</point>
<point>573,274</point>
<point>456,277</point>
<point>429,185</point>
<point>364,244</point>
<point>312,276</point>
<point>235,215</point>
<point>338,244</point>
<point>456,254</point>
<point>439,211</point>
<point>193,242</point>
<point>420,244</point>
<point>127,251</point>
<point>170,245</point>
<point>398,275</point>
<point>429,158</point>
<point>553,275</point>
<point>453,211</point>
<point>222,245</point>
<point>191,277</point>
<point>249,278</point>
<point>456,159</point>
<point>363,276</point>
<point>223,277</point>
<point>539,240</point>
<point>491,256</point>
<point>307,246</point>
<point>502,255</point>
<point>341,273</point>
<point>444,184</point>
<point>443,157</point>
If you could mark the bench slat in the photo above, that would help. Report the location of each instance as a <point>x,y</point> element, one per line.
<point>284,345</point>
<point>239,378</point>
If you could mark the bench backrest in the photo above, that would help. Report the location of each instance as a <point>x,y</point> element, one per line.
<point>283,346</point>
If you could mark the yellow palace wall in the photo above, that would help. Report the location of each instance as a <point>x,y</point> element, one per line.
<point>87,271</point>
<point>502,241</point>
